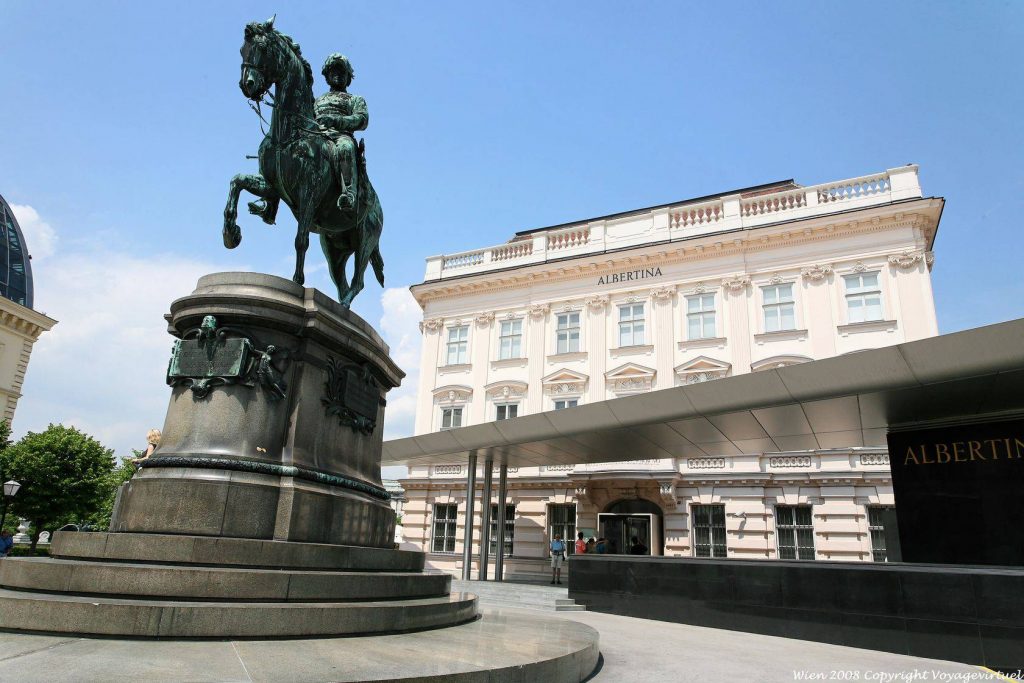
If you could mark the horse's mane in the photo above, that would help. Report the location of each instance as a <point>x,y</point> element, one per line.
<point>264,29</point>
<point>297,51</point>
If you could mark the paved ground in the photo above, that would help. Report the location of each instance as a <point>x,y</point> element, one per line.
<point>645,650</point>
<point>632,649</point>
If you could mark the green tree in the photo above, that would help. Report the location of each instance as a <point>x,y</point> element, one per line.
<point>64,475</point>
<point>119,475</point>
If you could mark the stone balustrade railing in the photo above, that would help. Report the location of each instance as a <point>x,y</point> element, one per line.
<point>683,221</point>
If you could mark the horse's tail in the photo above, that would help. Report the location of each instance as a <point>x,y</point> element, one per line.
<point>378,265</point>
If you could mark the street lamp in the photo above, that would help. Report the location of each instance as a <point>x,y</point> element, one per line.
<point>10,490</point>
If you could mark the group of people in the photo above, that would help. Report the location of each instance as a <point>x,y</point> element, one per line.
<point>583,546</point>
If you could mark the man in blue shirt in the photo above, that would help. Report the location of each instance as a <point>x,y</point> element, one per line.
<point>557,557</point>
<point>6,542</point>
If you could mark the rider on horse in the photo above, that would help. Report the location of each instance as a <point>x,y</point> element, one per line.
<point>340,114</point>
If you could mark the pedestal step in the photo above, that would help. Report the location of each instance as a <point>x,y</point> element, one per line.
<point>176,582</point>
<point>230,552</point>
<point>63,613</point>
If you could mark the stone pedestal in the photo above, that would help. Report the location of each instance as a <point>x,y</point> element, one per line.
<point>274,427</point>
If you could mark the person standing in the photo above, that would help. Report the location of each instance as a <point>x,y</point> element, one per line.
<point>6,542</point>
<point>557,557</point>
<point>581,544</point>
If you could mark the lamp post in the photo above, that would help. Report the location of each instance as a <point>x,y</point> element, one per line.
<point>10,490</point>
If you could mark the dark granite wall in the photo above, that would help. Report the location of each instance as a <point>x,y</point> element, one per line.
<point>967,614</point>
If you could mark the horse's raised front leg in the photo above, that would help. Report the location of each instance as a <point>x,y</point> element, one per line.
<point>244,181</point>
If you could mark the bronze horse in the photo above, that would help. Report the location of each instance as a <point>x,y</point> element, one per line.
<point>295,165</point>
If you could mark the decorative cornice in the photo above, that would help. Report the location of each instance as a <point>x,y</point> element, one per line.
<point>539,310</point>
<point>816,273</point>
<point>596,303</point>
<point>736,284</point>
<point>484,319</point>
<point>784,235</point>
<point>858,267</point>
<point>775,279</point>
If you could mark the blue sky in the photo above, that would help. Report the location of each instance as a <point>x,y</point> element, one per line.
<point>122,123</point>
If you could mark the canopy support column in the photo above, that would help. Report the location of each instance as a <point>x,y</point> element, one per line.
<point>467,542</point>
<point>485,520</point>
<point>499,558</point>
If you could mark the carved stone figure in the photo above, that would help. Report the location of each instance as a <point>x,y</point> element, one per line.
<point>312,166</point>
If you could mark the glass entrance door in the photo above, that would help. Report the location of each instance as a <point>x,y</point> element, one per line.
<point>619,530</point>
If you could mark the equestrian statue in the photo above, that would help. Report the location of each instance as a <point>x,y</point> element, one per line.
<point>309,159</point>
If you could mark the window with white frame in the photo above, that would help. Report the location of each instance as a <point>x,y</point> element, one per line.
<point>779,309</point>
<point>708,530</point>
<point>510,528</point>
<point>510,339</point>
<point>700,316</point>
<point>563,403</point>
<point>567,332</point>
<point>794,529</point>
<point>876,525</point>
<point>562,522</point>
<point>506,411</point>
<point>631,325</point>
<point>458,345</point>
<point>863,298</point>
<point>451,417</point>
<point>445,518</point>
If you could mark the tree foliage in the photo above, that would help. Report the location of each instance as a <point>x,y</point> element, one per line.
<point>119,475</point>
<point>65,476</point>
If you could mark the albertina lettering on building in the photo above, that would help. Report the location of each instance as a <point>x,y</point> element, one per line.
<point>629,275</point>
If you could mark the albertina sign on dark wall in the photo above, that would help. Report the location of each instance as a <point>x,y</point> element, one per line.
<point>960,493</point>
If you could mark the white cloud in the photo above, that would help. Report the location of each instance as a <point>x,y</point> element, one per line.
<point>400,329</point>
<point>39,235</point>
<point>102,367</point>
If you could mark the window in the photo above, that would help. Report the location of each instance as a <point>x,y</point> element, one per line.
<point>563,403</point>
<point>568,332</point>
<point>779,313</point>
<point>863,298</point>
<point>876,526</point>
<point>451,418</point>
<point>510,339</point>
<point>700,316</point>
<point>510,524</point>
<point>708,530</point>
<point>631,325</point>
<point>507,411</point>
<point>458,345</point>
<point>444,527</point>
<point>795,532</point>
<point>562,520</point>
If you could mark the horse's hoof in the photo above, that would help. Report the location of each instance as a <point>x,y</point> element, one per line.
<point>299,279</point>
<point>232,236</point>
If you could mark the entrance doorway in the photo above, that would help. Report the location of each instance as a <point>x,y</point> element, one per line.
<point>625,520</point>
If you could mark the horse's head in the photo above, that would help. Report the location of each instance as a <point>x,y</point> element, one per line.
<point>261,59</point>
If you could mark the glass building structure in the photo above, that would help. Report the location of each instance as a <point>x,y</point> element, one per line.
<point>15,267</point>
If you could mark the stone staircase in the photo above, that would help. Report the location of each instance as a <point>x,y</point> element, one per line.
<point>521,595</point>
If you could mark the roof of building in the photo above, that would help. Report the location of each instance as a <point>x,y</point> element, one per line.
<point>841,402</point>
<point>744,192</point>
<point>15,262</point>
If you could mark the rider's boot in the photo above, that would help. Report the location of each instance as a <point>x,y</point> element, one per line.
<point>347,198</point>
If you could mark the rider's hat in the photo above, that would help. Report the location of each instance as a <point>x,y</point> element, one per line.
<point>337,60</point>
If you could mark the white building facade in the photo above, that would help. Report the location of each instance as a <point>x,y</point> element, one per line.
<point>771,275</point>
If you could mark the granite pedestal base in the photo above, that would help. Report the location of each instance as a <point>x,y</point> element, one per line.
<point>145,585</point>
<point>275,420</point>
